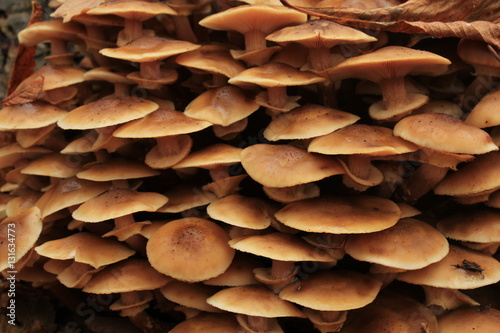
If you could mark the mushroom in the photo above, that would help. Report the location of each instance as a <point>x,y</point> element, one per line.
<point>208,323</point>
<point>481,115</point>
<point>472,318</point>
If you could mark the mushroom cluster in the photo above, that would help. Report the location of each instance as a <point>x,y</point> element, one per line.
<point>213,166</point>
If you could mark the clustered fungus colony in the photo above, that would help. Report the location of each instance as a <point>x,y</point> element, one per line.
<point>247,168</point>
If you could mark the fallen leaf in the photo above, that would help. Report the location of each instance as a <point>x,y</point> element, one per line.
<point>472,19</point>
<point>26,92</point>
<point>25,58</point>
<point>72,8</point>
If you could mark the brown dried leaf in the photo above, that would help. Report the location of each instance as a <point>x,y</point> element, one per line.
<point>472,19</point>
<point>26,92</point>
<point>25,59</point>
<point>72,8</point>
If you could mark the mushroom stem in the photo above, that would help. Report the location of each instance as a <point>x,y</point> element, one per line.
<point>124,221</point>
<point>258,324</point>
<point>58,46</point>
<point>277,96</point>
<point>150,69</point>
<point>421,181</point>
<point>95,32</point>
<point>320,58</point>
<point>281,269</point>
<point>359,165</point>
<point>393,92</point>
<point>255,40</point>
<point>219,172</point>
<point>184,29</point>
<point>132,30</point>
<point>121,89</point>
<point>330,316</point>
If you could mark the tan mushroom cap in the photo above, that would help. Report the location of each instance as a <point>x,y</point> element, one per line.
<point>190,249</point>
<point>53,165</point>
<point>115,169</point>
<point>116,203</point>
<point>470,319</point>
<point>222,106</point>
<point>477,54</point>
<point>193,295</point>
<point>69,192</point>
<point>11,153</point>
<point>136,10</point>
<point>208,323</point>
<point>481,115</point>
<point>242,211</point>
<point>361,139</point>
<point>340,215</point>
<point>459,269</point>
<point>253,300</point>
<point>478,225</point>
<point>409,244</point>
<point>44,31</point>
<point>104,112</point>
<point>292,193</point>
<point>307,121</point>
<point>124,276</point>
<point>162,122</point>
<point>86,248</point>
<point>18,234</point>
<point>443,132</point>
<point>107,74</point>
<point>475,177</point>
<point>211,156</point>
<point>349,290</point>
<point>286,165</point>
<point>279,246</point>
<point>274,74</point>
<point>185,197</point>
<point>149,48</point>
<point>53,77</point>
<point>494,200</point>
<point>239,273</point>
<point>29,115</point>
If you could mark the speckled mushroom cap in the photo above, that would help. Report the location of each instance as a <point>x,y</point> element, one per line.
<point>104,112</point>
<point>53,77</point>
<point>211,156</point>
<point>340,215</point>
<point>127,275</point>
<point>459,269</point>
<point>307,121</point>
<point>443,132</point>
<point>475,177</point>
<point>481,115</point>
<point>193,295</point>
<point>29,115</point>
<point>286,165</point>
<point>409,244</point>
<point>279,246</point>
<point>254,300</point>
<point>118,202</point>
<point>470,319</point>
<point>115,169</point>
<point>479,225</point>
<point>349,289</point>
<point>86,248</point>
<point>208,323</point>
<point>190,249</point>
<point>25,232</point>
<point>137,10</point>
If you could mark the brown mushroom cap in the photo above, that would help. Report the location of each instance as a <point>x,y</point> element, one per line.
<point>115,169</point>
<point>29,115</point>
<point>239,273</point>
<point>211,156</point>
<point>333,291</point>
<point>470,319</point>
<point>459,269</point>
<point>190,249</point>
<point>477,54</point>
<point>286,165</point>
<point>481,115</point>
<point>43,31</point>
<point>193,295</point>
<point>184,197</point>
<point>52,165</point>
<point>124,276</point>
<point>136,10</point>
<point>409,244</point>
<point>443,132</point>
<point>208,323</point>
<point>340,215</point>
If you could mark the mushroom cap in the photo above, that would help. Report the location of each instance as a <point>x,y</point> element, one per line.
<point>86,248</point>
<point>339,290</point>
<point>274,74</point>
<point>52,165</point>
<point>242,211</point>
<point>222,106</point>
<point>361,139</point>
<point>29,115</point>
<point>443,132</point>
<point>253,300</point>
<point>389,62</point>
<point>475,177</point>
<point>39,32</point>
<point>24,234</point>
<point>409,244</point>
<point>239,273</point>
<point>319,33</point>
<point>11,153</point>
<point>53,77</point>
<point>478,225</point>
<point>211,156</point>
<point>107,74</point>
<point>279,246</point>
<point>286,165</point>
<point>115,169</point>
<point>459,269</point>
<point>470,319</point>
<point>125,276</point>
<point>246,18</point>
<point>104,112</point>
<point>340,215</point>
<point>136,10</point>
<point>307,121</point>
<point>208,323</point>
<point>149,48</point>
<point>193,295</point>
<point>481,115</point>
<point>292,193</point>
<point>162,122</point>
<point>116,203</point>
<point>477,54</point>
<point>184,197</point>
<point>190,249</point>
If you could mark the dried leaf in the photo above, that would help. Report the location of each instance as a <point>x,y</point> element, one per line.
<point>26,92</point>
<point>72,8</point>
<point>25,59</point>
<point>472,19</point>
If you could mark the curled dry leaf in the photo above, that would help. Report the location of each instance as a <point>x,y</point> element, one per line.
<point>26,92</point>
<point>473,19</point>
